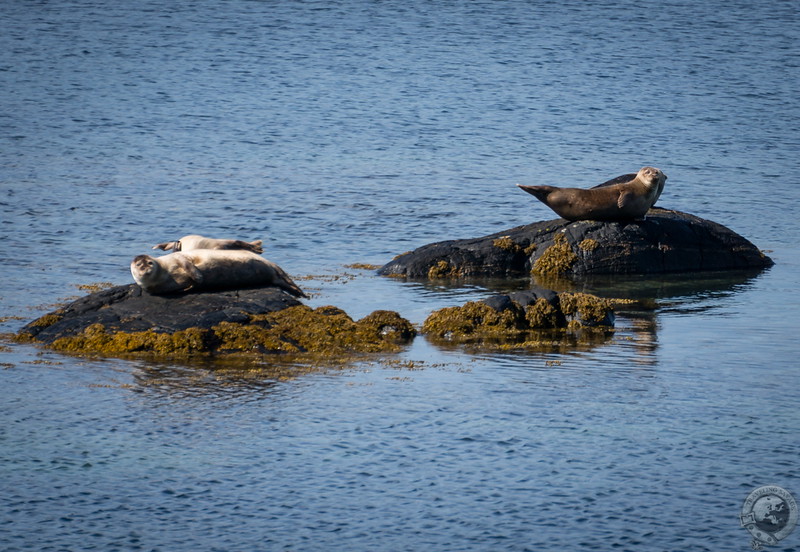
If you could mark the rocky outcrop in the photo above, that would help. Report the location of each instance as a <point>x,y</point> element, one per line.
<point>507,315</point>
<point>123,320</point>
<point>665,241</point>
<point>536,318</point>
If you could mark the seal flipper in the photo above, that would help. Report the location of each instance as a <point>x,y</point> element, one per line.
<point>185,273</point>
<point>292,289</point>
<point>175,245</point>
<point>254,246</point>
<point>625,178</point>
<point>624,199</point>
<point>284,282</point>
<point>539,192</point>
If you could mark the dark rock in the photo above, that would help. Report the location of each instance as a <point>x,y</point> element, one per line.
<point>528,297</point>
<point>500,303</point>
<point>127,308</point>
<point>664,242</point>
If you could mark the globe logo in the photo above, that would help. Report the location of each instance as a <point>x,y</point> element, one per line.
<point>769,514</point>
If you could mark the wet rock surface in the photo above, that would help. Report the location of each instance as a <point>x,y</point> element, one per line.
<point>665,241</point>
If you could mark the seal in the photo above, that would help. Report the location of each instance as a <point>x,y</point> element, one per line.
<point>194,241</point>
<point>626,197</point>
<point>201,269</point>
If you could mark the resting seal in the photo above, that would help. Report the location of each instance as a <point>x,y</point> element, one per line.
<point>209,269</point>
<point>626,197</point>
<point>193,241</point>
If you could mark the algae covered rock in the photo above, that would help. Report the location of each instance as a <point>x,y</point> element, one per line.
<point>473,321</point>
<point>664,242</point>
<point>125,321</point>
<point>519,317</point>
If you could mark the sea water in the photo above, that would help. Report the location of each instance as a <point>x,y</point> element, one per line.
<point>344,132</point>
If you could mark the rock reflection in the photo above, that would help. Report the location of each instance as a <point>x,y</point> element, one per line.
<point>545,341</point>
<point>228,377</point>
<point>647,289</point>
<point>641,334</point>
<point>684,288</point>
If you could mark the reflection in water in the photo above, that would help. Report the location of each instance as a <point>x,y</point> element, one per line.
<point>642,335</point>
<point>684,286</point>
<point>544,341</point>
<point>223,376</point>
<point>643,288</point>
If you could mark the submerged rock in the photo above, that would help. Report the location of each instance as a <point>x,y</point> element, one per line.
<point>665,241</point>
<point>123,320</point>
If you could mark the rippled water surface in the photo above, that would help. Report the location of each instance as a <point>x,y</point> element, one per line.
<point>348,132</point>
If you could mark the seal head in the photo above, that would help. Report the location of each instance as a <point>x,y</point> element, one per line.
<point>169,274</point>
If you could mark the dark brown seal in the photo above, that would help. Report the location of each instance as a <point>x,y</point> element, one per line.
<point>624,198</point>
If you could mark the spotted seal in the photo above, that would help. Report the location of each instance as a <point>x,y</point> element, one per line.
<point>626,197</point>
<point>202,269</point>
<point>194,241</point>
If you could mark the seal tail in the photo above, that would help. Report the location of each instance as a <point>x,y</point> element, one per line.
<point>254,246</point>
<point>539,192</point>
<point>168,245</point>
<point>284,282</point>
<point>292,288</point>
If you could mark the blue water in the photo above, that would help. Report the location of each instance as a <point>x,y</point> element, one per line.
<point>348,132</point>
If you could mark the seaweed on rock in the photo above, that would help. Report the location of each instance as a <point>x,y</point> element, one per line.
<point>535,318</point>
